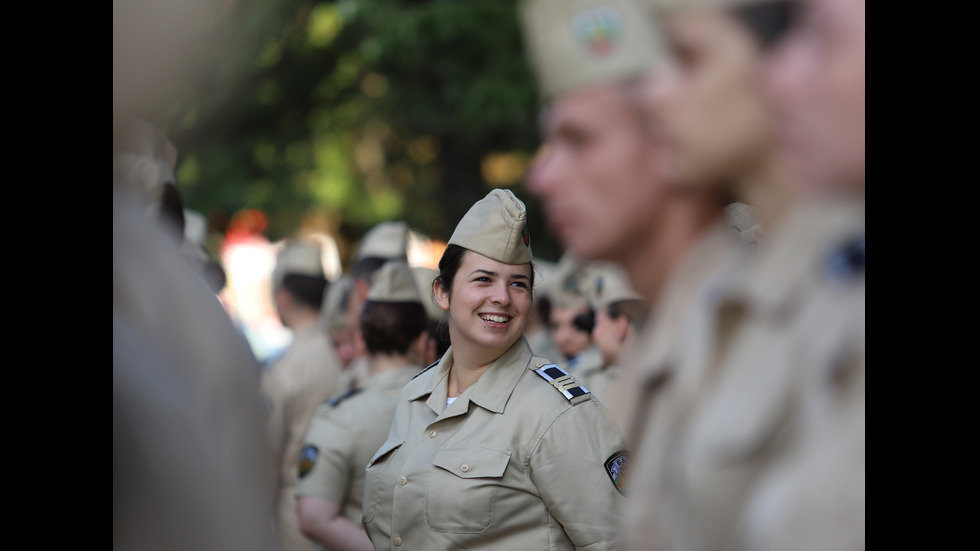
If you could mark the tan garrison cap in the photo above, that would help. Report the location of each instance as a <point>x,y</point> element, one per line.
<point>609,284</point>
<point>385,240</point>
<point>298,257</point>
<point>576,43</point>
<point>333,314</point>
<point>394,282</point>
<point>423,280</point>
<point>569,283</point>
<point>496,227</point>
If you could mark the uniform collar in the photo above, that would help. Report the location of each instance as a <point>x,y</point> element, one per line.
<point>797,254</point>
<point>491,392</point>
<point>392,378</point>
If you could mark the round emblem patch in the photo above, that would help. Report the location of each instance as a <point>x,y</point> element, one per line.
<point>307,459</point>
<point>598,29</point>
<point>616,467</point>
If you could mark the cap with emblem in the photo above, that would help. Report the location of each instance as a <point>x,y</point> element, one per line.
<point>496,227</point>
<point>576,43</point>
<point>298,257</point>
<point>608,284</point>
<point>385,240</point>
<point>568,282</point>
<point>394,282</point>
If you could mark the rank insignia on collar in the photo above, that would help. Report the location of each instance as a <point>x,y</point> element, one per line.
<point>561,380</point>
<point>616,469</point>
<point>307,459</point>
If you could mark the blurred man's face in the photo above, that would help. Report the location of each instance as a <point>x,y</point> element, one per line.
<point>345,343</point>
<point>596,175</point>
<point>817,81</point>
<point>709,100</point>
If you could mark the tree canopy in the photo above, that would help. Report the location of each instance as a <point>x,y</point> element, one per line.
<point>342,114</point>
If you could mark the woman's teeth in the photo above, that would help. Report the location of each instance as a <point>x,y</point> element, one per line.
<point>495,319</point>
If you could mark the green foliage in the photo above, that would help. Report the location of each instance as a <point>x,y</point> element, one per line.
<point>356,111</point>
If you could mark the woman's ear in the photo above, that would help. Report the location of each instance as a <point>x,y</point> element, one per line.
<point>441,294</point>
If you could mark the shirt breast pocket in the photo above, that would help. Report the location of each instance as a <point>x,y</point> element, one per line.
<point>463,487</point>
<point>374,473</point>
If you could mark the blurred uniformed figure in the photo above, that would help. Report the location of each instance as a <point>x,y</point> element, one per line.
<point>188,468</point>
<point>437,338</point>
<point>538,333</point>
<point>383,242</point>
<point>571,319</point>
<point>306,375</point>
<point>493,447</point>
<point>349,428</point>
<point>620,314</point>
<point>336,324</point>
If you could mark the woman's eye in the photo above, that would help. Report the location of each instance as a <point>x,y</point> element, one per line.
<point>483,279</point>
<point>520,284</point>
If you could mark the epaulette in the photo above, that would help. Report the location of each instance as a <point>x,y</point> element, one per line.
<point>561,380</point>
<point>846,260</point>
<point>333,402</point>
<point>435,363</point>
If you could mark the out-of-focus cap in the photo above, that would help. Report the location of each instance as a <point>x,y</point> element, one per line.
<point>575,43</point>
<point>333,313</point>
<point>569,283</point>
<point>394,282</point>
<point>743,221</point>
<point>385,240</point>
<point>608,284</point>
<point>496,227</point>
<point>298,257</point>
<point>423,280</point>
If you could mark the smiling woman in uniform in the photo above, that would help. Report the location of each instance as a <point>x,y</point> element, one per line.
<point>492,447</point>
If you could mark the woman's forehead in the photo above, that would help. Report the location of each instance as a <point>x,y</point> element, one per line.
<point>476,262</point>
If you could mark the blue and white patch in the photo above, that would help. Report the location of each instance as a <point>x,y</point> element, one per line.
<point>307,459</point>
<point>561,380</point>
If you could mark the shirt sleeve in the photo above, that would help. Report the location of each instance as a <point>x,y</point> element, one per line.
<point>328,453</point>
<point>576,468</point>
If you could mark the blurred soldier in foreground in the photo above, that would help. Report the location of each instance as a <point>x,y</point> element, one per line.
<point>189,469</point>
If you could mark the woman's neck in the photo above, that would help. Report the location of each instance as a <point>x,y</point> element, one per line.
<point>469,364</point>
<point>379,363</point>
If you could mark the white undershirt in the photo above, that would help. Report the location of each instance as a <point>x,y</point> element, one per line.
<point>449,401</point>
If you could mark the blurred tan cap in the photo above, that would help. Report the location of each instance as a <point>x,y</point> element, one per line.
<point>423,280</point>
<point>569,283</point>
<point>576,43</point>
<point>394,282</point>
<point>298,257</point>
<point>496,227</point>
<point>608,284</point>
<point>333,313</point>
<point>385,240</point>
<point>145,164</point>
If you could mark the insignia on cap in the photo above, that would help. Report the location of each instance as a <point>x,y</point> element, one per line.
<point>598,29</point>
<point>600,282</point>
<point>560,379</point>
<point>616,469</point>
<point>527,235</point>
<point>307,459</point>
<point>847,260</point>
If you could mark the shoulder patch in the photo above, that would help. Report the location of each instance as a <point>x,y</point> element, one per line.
<point>333,402</point>
<point>307,459</point>
<point>616,469</point>
<point>427,368</point>
<point>561,380</point>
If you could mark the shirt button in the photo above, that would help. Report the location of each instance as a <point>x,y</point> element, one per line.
<point>464,467</point>
<point>402,481</point>
<point>432,434</point>
<point>397,541</point>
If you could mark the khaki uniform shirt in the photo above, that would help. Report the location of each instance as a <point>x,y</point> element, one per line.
<point>187,415</point>
<point>344,435</point>
<point>587,361</point>
<point>734,415</point>
<point>599,381</point>
<point>304,377</point>
<point>651,367</point>
<point>512,464</point>
<point>355,376</point>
